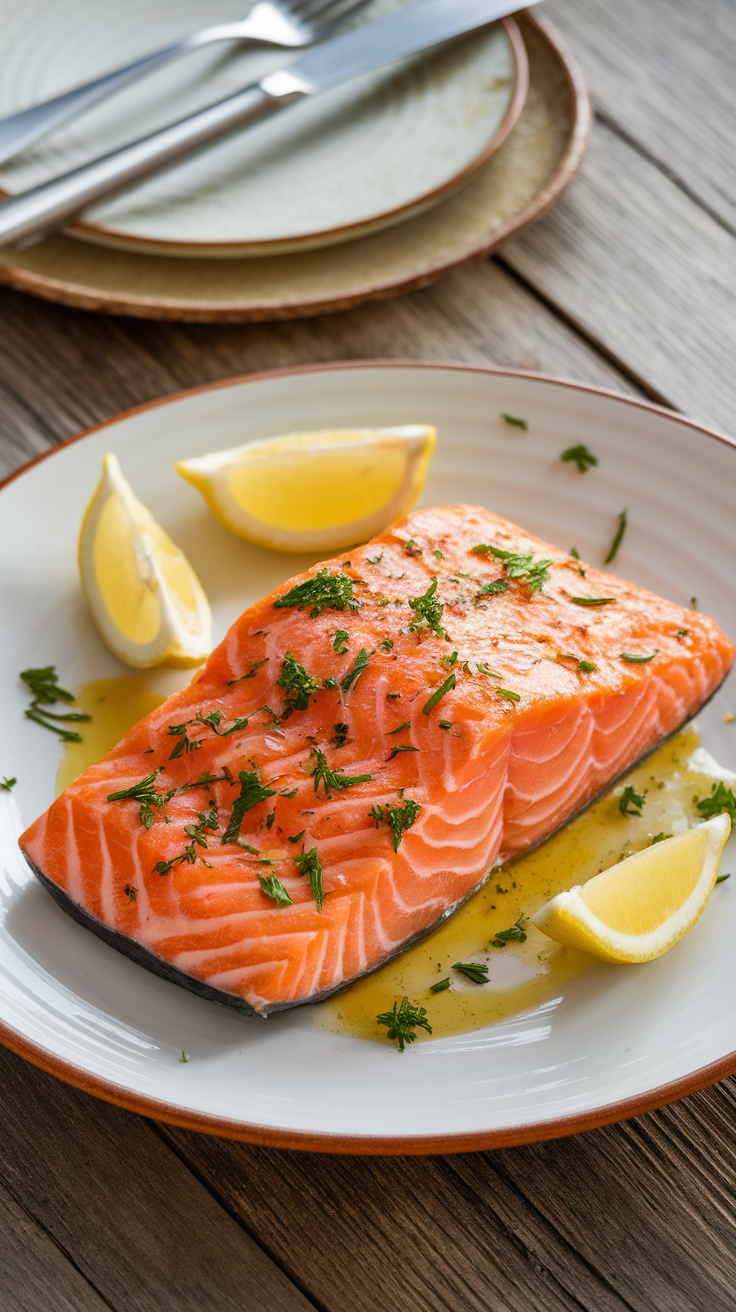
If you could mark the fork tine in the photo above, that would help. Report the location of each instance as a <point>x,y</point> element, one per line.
<point>322,13</point>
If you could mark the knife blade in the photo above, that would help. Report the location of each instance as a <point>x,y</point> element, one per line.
<point>30,216</point>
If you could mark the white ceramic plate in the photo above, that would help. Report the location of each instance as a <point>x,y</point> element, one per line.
<point>368,154</point>
<point>618,1040</point>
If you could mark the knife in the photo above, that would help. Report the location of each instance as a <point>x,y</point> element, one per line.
<point>30,216</point>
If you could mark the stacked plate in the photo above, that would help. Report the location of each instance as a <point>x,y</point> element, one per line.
<point>378,185</point>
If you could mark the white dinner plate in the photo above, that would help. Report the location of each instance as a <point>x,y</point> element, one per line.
<point>617,1040</point>
<point>377,150</point>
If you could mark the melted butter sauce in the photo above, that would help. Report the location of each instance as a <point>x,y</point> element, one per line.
<point>521,975</point>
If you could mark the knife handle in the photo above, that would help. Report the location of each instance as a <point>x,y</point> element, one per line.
<point>32,215</point>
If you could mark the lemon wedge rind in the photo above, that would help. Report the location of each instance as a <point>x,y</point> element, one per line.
<point>144,597</point>
<point>637,910</point>
<point>315,491</point>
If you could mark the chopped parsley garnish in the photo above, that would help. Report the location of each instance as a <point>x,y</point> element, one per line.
<point>486,669</point>
<point>659,838</point>
<point>441,985</point>
<point>341,734</point>
<point>398,818</point>
<point>361,664</point>
<point>340,644</point>
<point>130,892</point>
<point>405,725</point>
<point>472,970</point>
<point>274,889</point>
<point>309,864</point>
<point>721,799</point>
<point>638,660</point>
<point>630,802</point>
<point>6,784</point>
<point>518,566</point>
<point>592,601</point>
<point>618,538</point>
<point>405,1018</point>
<point>205,779</point>
<point>721,878</point>
<point>386,644</point>
<point>189,855</point>
<point>251,672</point>
<point>574,553</point>
<point>439,694</point>
<point>515,934</point>
<point>145,794</point>
<point>412,549</point>
<point>587,667</point>
<point>492,589</point>
<point>693,603</point>
<point>447,662</point>
<point>324,591</point>
<point>428,611</point>
<point>437,553</point>
<point>184,1056</point>
<point>251,793</point>
<point>44,686</point>
<point>207,820</point>
<point>395,751</point>
<point>581,456</point>
<point>185,743</point>
<point>682,633</point>
<point>445,724</point>
<point>296,838</point>
<point>508,695</point>
<point>333,778</point>
<point>298,686</point>
<point>375,561</point>
<point>514,420</point>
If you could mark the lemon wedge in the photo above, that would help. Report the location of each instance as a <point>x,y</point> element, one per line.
<point>145,598</point>
<point>315,491</point>
<point>641,907</point>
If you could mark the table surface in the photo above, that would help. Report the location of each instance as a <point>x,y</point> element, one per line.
<point>630,282</point>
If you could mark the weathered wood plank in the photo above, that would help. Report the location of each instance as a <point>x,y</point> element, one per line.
<point>663,72</point>
<point>62,370</point>
<point>34,1273</point>
<point>137,1225</point>
<point>644,272</point>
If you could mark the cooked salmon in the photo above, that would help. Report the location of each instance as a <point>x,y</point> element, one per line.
<point>360,750</point>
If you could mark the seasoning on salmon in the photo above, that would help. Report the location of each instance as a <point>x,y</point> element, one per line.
<point>335,801</point>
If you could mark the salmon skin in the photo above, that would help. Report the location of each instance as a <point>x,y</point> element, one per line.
<point>360,750</point>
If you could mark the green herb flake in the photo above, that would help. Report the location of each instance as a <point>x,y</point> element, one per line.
<point>515,934</point>
<point>214,719</point>
<point>412,549</point>
<point>721,878</point>
<point>592,601</point>
<point>145,794</point>
<point>448,662</point>
<point>274,889</point>
<point>6,784</point>
<point>682,633</point>
<point>428,611</point>
<point>405,725</point>
<point>298,686</point>
<point>250,675</point>
<point>130,892</point>
<point>291,794</point>
<point>321,773</point>
<point>659,838</point>
<point>472,970</point>
<point>638,660</point>
<point>403,1020</point>
<point>721,799</point>
<point>587,667</point>
<point>445,724</point>
<point>441,985</point>
<point>404,748</point>
<point>630,802</point>
<point>618,537</point>
<point>184,1056</point>
<point>486,669</point>
<point>574,553</point>
<point>324,591</point>
<point>309,864</point>
<point>693,603</point>
<point>386,644</point>
<point>296,838</point>
<point>341,734</point>
<point>519,565</point>
<point>492,589</point>
<point>508,695</point>
<point>340,644</point>
<point>43,684</point>
<point>251,793</point>
<point>581,456</point>
<point>398,818</point>
<point>437,696</point>
<point>437,554</point>
<point>514,420</point>
<point>361,664</point>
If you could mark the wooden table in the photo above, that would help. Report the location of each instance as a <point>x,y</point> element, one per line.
<point>631,283</point>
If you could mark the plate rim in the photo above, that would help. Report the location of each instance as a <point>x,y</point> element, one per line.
<point>368,1145</point>
<point>114,239</point>
<point>79,293</point>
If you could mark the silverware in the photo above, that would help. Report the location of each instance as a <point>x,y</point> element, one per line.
<point>33,214</point>
<point>274,22</point>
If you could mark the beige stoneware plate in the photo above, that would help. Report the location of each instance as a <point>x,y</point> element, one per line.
<point>361,157</point>
<point>524,177</point>
<point>615,1041</point>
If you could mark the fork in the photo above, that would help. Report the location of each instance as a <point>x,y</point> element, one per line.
<point>292,23</point>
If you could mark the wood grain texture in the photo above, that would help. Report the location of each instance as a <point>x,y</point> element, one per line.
<point>34,1273</point>
<point>645,273</point>
<point>662,71</point>
<point>138,1226</point>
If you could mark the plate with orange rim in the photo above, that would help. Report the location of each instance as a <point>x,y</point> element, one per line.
<point>605,1042</point>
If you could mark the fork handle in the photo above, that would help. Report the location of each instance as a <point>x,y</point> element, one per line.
<point>33,214</point>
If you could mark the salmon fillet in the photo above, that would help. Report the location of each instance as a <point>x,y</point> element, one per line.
<point>359,751</point>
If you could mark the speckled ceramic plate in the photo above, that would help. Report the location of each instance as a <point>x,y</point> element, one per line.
<point>617,1040</point>
<point>521,180</point>
<point>362,157</point>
